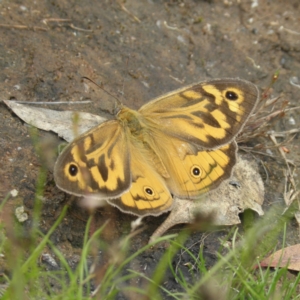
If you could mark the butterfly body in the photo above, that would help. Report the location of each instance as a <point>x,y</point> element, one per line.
<point>178,144</point>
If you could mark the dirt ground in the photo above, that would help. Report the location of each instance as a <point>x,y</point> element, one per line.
<point>136,50</point>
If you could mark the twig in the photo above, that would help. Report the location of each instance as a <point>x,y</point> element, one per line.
<point>290,194</point>
<point>266,171</point>
<point>80,29</point>
<point>295,82</point>
<point>34,28</point>
<point>50,103</point>
<point>170,27</point>
<point>289,30</point>
<point>45,21</point>
<point>284,133</point>
<point>129,13</point>
<point>176,79</point>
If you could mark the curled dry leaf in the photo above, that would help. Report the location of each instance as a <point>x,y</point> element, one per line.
<point>222,206</point>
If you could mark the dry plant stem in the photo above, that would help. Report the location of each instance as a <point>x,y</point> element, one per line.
<point>290,192</point>
<point>289,30</point>
<point>34,28</point>
<point>129,13</point>
<point>256,126</point>
<point>80,29</point>
<point>273,139</point>
<point>285,133</point>
<point>295,82</point>
<point>50,103</point>
<point>45,21</point>
<point>177,79</point>
<point>266,171</point>
<point>280,146</point>
<point>170,27</point>
<point>258,120</point>
<point>256,66</point>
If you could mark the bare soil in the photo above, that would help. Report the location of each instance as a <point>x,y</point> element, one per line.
<point>136,50</point>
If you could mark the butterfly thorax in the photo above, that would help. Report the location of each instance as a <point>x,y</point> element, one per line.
<point>139,128</point>
<point>132,120</point>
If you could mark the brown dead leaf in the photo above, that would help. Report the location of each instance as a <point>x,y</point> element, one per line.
<point>288,257</point>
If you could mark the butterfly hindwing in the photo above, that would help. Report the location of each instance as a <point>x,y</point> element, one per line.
<point>148,194</point>
<point>202,172</point>
<point>192,172</point>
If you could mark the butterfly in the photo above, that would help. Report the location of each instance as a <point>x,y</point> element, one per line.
<point>180,144</point>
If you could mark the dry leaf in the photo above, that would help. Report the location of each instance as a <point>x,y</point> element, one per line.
<point>60,122</point>
<point>222,206</point>
<point>288,257</point>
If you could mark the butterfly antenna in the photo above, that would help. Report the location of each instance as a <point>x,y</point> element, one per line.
<point>108,93</point>
<point>123,87</point>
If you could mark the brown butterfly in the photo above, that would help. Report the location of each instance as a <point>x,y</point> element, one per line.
<point>180,144</point>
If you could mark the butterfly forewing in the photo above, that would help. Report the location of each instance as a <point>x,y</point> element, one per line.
<point>97,162</point>
<point>209,114</point>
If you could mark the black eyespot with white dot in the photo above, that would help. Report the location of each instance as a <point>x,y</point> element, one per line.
<point>73,170</point>
<point>231,95</point>
<point>196,171</point>
<point>148,191</point>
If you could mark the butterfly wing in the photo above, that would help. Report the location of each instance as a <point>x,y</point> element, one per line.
<point>148,194</point>
<point>96,163</point>
<point>192,171</point>
<point>208,114</point>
